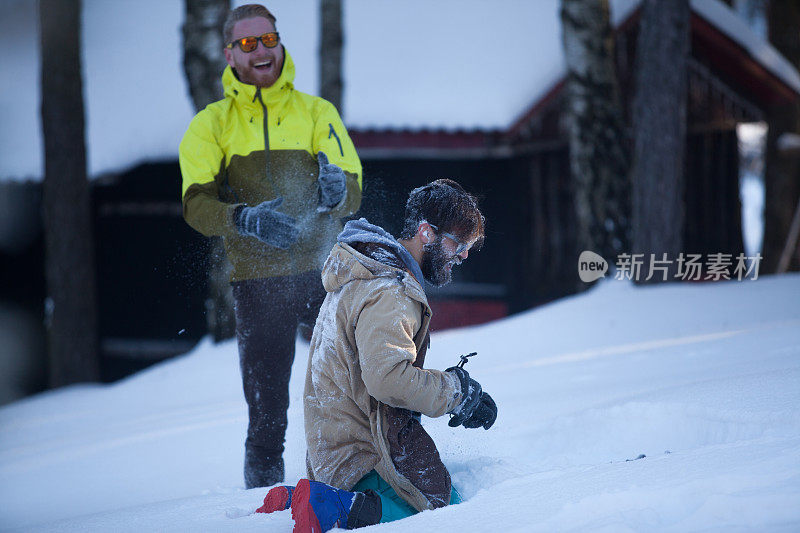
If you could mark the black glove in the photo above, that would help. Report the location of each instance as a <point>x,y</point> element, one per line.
<point>332,183</point>
<point>470,397</point>
<point>268,225</point>
<point>483,415</point>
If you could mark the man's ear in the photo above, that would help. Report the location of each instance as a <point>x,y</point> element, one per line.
<point>426,232</point>
<point>229,56</point>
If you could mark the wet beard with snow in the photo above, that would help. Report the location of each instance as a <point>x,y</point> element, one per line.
<point>437,264</point>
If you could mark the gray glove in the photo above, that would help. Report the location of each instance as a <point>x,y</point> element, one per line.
<point>477,409</point>
<point>332,184</point>
<point>470,397</point>
<point>484,415</point>
<point>266,224</point>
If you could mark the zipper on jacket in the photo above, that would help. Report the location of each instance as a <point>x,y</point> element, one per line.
<point>267,158</point>
<point>333,132</point>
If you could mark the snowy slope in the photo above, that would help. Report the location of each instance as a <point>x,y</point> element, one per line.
<point>702,379</point>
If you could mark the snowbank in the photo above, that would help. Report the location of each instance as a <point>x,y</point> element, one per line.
<point>701,379</point>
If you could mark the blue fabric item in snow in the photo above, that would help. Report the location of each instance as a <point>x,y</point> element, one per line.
<point>362,231</point>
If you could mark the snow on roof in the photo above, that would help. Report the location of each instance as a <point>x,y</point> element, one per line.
<point>461,64</point>
<point>451,64</point>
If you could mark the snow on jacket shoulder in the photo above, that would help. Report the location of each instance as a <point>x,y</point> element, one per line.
<point>365,381</point>
<point>258,144</point>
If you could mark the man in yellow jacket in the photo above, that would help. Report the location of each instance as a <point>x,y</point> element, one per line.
<point>272,170</point>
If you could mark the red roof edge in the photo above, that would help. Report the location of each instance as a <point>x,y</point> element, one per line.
<point>536,107</point>
<point>748,67</point>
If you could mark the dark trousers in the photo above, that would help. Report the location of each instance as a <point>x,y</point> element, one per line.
<point>268,313</point>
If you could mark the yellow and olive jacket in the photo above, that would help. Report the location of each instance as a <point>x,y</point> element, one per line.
<point>259,144</point>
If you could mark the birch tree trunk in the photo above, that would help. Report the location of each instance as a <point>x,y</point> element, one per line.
<point>659,125</point>
<point>71,307</point>
<point>203,63</point>
<point>203,57</point>
<point>782,172</point>
<point>331,43</point>
<point>598,157</point>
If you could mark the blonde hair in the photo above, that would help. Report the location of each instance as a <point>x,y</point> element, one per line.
<point>246,11</point>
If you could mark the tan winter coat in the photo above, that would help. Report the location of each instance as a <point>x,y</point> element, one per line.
<point>365,382</point>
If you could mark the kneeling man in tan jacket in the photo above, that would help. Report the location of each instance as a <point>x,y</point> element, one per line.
<point>369,459</point>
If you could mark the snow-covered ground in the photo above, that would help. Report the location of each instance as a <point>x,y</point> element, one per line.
<point>701,382</point>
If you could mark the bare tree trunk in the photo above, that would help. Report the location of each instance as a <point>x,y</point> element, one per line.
<point>69,249</point>
<point>659,125</point>
<point>203,57</point>
<point>782,171</point>
<point>598,156</point>
<point>330,53</point>
<point>203,63</point>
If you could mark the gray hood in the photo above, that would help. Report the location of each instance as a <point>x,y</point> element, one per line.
<point>361,230</point>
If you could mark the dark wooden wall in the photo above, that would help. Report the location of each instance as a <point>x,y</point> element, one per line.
<point>552,249</point>
<point>151,270</point>
<point>713,222</point>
